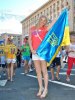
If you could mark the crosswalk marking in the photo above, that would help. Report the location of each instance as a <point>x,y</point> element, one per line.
<point>3,82</point>
<point>22,73</point>
<point>66,69</point>
<point>60,83</point>
<point>62,73</point>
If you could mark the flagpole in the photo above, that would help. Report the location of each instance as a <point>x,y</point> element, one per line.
<point>67,5</point>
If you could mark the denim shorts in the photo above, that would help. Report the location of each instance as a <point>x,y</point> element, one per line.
<point>26,58</point>
<point>55,62</point>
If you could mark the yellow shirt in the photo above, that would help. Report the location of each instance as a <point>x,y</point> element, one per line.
<point>10,50</point>
<point>2,53</point>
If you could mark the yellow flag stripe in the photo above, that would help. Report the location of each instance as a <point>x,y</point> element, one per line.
<point>66,37</point>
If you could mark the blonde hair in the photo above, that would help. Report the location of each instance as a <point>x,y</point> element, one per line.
<point>42,16</point>
<point>9,40</point>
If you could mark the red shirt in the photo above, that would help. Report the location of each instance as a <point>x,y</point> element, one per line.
<point>37,36</point>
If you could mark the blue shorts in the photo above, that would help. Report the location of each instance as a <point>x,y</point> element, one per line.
<point>56,62</point>
<point>3,65</point>
<point>26,58</point>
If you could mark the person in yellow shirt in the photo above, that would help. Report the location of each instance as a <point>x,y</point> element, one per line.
<point>2,58</point>
<point>10,50</point>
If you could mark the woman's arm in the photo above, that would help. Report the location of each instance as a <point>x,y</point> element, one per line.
<point>69,50</point>
<point>51,24</point>
<point>30,44</point>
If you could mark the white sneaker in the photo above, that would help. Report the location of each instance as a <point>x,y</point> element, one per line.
<point>4,74</point>
<point>30,70</point>
<point>68,79</point>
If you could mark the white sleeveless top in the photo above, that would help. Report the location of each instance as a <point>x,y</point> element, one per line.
<point>72,47</point>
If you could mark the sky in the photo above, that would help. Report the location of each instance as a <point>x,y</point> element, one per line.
<point>20,8</point>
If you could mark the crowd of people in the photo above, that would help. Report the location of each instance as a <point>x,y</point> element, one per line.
<point>10,55</point>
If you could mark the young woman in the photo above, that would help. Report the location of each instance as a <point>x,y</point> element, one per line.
<point>56,63</point>
<point>25,49</point>
<point>37,34</point>
<point>71,57</point>
<point>10,50</point>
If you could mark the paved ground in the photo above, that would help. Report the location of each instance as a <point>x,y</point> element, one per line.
<point>25,87</point>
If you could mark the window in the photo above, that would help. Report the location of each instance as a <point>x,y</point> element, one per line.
<point>50,9</point>
<point>54,7</point>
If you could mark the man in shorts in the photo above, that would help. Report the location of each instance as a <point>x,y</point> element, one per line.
<point>56,63</point>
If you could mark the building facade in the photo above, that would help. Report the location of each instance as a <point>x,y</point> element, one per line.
<point>52,10</point>
<point>17,38</point>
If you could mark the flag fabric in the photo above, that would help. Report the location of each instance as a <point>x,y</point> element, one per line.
<point>58,35</point>
<point>66,37</point>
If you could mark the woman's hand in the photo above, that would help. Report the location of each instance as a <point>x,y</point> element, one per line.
<point>71,51</point>
<point>33,51</point>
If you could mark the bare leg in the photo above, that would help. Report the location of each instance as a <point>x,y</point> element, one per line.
<point>45,75</point>
<point>30,65</point>
<point>12,68</point>
<point>52,73</point>
<point>26,67</point>
<point>57,73</point>
<point>39,75</point>
<point>8,71</point>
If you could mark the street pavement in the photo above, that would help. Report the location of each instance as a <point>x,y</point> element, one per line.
<point>25,87</point>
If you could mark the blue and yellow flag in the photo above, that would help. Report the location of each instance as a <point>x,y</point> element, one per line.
<point>58,35</point>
